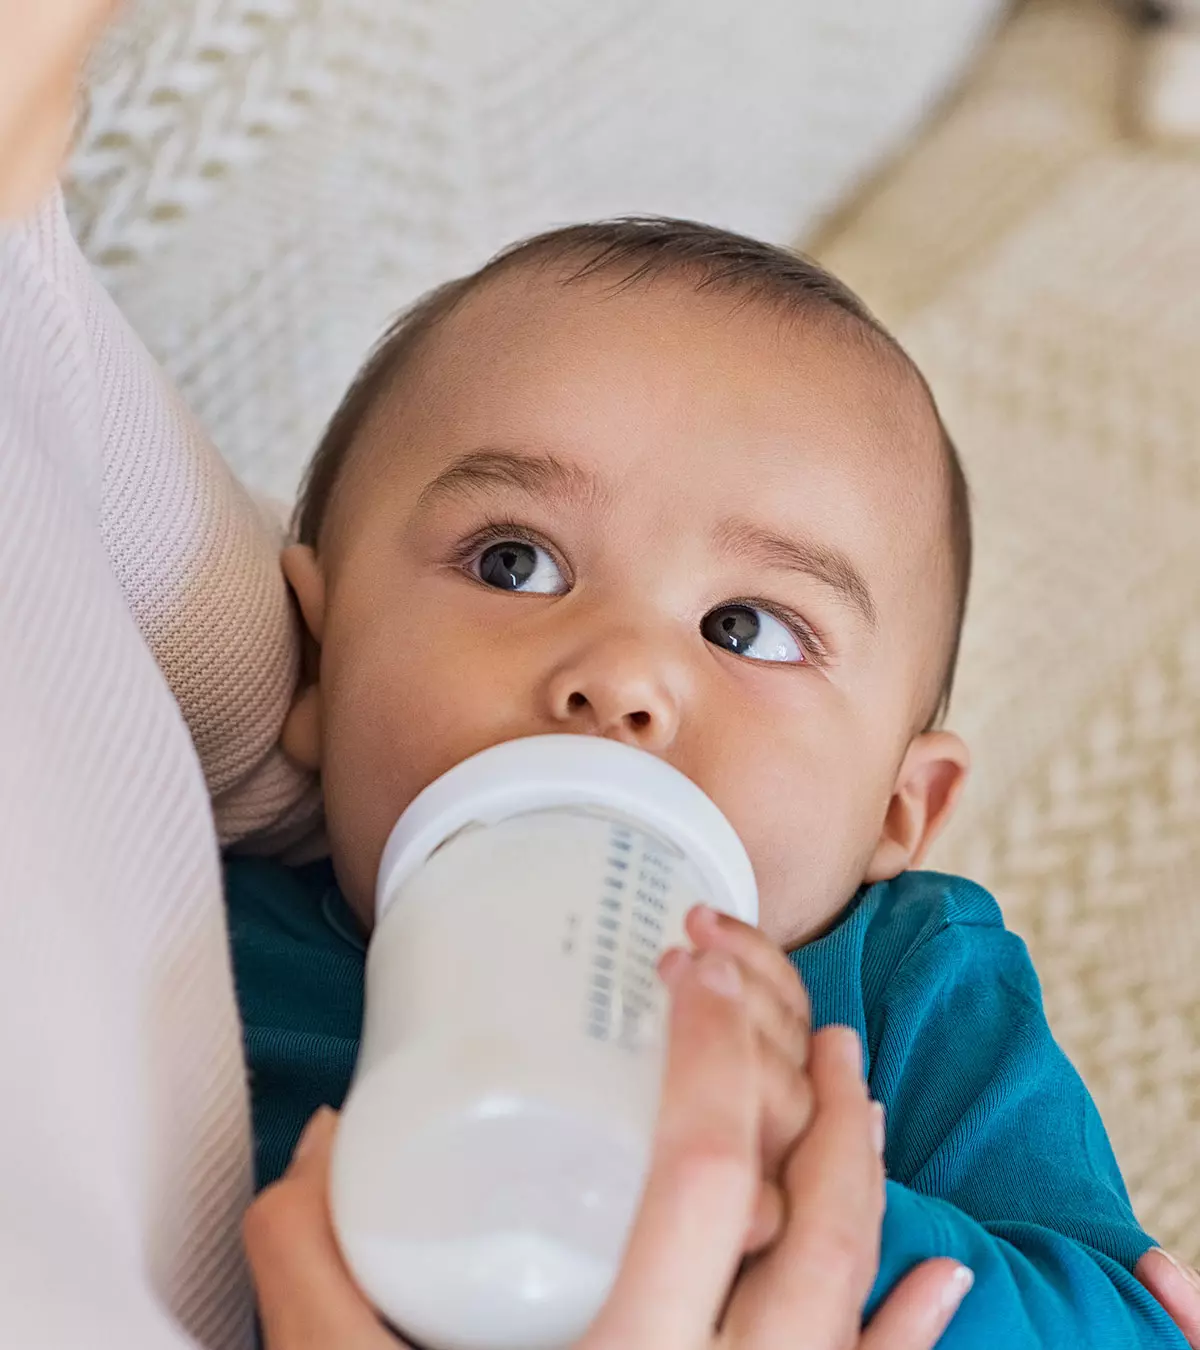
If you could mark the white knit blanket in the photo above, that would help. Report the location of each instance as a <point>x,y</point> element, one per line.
<point>263,182</point>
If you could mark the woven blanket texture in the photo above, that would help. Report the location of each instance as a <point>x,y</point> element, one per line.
<point>1043,267</point>
<point>263,183</point>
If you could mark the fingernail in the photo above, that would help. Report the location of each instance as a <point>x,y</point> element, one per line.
<point>957,1288</point>
<point>879,1127</point>
<point>705,913</point>
<point>1190,1275</point>
<point>720,974</point>
<point>312,1130</point>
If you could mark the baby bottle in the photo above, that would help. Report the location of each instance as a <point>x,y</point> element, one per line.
<point>496,1137</point>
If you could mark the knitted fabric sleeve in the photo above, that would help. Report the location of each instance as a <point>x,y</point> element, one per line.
<point>124,1142</point>
<point>198,562</point>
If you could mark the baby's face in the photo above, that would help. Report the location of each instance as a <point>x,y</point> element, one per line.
<point>655,515</point>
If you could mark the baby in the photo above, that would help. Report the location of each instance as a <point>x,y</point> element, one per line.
<point>653,481</point>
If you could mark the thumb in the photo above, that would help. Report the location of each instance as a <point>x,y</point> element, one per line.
<point>313,1148</point>
<point>1177,1288</point>
<point>307,1299</point>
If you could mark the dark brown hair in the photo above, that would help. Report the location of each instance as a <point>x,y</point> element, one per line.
<point>632,250</point>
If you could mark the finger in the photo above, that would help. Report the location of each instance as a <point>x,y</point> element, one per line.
<point>307,1299</point>
<point>773,1016</point>
<point>1177,1287</point>
<point>783,1042</point>
<point>768,1013</point>
<point>40,59</point>
<point>787,1104</point>
<point>820,1271</point>
<point>710,930</point>
<point>767,1224</point>
<point>920,1307</point>
<point>776,998</point>
<point>699,1199</point>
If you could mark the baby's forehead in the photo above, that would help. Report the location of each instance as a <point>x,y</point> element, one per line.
<point>656,380</point>
<point>543,316</point>
<point>548,348</point>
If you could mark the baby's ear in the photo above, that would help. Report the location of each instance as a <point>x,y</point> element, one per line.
<point>306,578</point>
<point>300,737</point>
<point>928,786</point>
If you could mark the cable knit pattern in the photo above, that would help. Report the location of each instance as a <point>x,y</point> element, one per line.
<point>264,182</point>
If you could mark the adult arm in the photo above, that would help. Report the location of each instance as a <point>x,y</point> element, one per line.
<point>198,562</point>
<point>196,559</point>
<point>124,1160</point>
<point>124,1149</point>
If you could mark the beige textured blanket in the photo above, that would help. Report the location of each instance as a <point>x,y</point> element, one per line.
<point>1044,269</point>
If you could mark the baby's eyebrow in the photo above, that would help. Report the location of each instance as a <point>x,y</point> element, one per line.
<point>538,474</point>
<point>823,563</point>
<point>541,474</point>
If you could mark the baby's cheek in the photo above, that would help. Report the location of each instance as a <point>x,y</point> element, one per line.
<point>390,730</point>
<point>370,772</point>
<point>809,841</point>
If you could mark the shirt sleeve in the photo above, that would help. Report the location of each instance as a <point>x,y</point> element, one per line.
<point>197,559</point>
<point>997,1156</point>
<point>124,1142</point>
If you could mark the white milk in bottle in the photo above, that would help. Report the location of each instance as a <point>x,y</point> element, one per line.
<point>494,1144</point>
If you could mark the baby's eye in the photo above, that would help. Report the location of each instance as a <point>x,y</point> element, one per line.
<point>515,565</point>
<point>751,632</point>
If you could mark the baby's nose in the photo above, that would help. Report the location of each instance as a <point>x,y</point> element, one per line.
<point>621,689</point>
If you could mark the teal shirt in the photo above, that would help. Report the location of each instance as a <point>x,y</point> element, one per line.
<point>996,1154</point>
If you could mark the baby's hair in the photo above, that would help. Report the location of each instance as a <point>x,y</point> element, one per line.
<point>634,250</point>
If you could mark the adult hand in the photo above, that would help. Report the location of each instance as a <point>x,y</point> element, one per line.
<point>1177,1288</point>
<point>701,1199</point>
<point>43,44</point>
<point>782,1021</point>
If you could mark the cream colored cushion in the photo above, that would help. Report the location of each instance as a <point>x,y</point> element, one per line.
<point>1044,270</point>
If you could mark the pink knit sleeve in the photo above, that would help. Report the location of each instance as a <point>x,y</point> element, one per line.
<point>198,562</point>
<point>124,1142</point>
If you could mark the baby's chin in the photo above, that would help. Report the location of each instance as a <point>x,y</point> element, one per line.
<point>356,882</point>
<point>792,915</point>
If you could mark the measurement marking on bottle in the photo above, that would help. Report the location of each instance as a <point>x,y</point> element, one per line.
<point>623,988</point>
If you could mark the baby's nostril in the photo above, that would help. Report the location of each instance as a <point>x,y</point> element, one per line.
<point>639,720</point>
<point>577,701</point>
